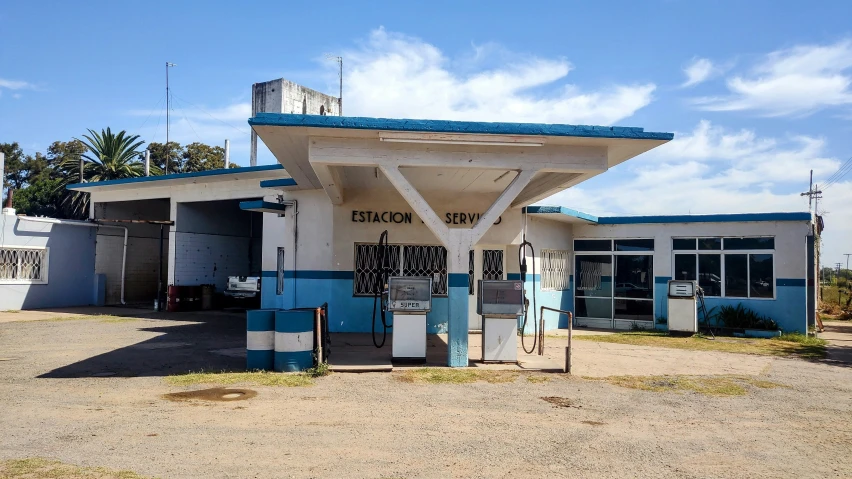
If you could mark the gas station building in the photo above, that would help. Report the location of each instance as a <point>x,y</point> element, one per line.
<point>457,199</point>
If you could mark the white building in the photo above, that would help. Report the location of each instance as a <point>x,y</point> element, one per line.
<point>455,198</point>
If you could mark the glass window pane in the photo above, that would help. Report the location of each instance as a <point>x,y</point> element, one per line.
<point>634,245</point>
<point>762,277</point>
<point>710,274</point>
<point>709,243</point>
<point>750,243</point>
<point>634,310</point>
<point>683,243</point>
<point>634,276</point>
<point>593,275</point>
<point>592,245</point>
<point>736,279</point>
<point>684,266</point>
<point>595,307</point>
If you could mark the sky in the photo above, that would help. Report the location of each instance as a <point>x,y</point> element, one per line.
<point>758,93</point>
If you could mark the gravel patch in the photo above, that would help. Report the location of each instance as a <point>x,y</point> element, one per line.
<point>374,425</point>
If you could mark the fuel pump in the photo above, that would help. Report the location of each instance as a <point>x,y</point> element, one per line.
<point>500,302</point>
<point>380,291</point>
<point>409,299</point>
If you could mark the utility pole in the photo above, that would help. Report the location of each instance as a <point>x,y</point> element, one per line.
<point>812,194</point>
<point>838,282</point>
<point>847,271</point>
<point>168,107</point>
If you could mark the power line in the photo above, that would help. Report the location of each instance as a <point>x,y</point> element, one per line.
<point>845,168</point>
<point>244,132</point>
<point>151,113</point>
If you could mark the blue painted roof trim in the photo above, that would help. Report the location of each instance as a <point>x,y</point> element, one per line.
<point>195,174</point>
<point>258,205</point>
<point>446,126</point>
<point>629,220</point>
<point>718,218</point>
<point>278,183</point>
<point>562,211</point>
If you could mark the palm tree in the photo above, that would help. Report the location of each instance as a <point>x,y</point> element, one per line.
<point>109,157</point>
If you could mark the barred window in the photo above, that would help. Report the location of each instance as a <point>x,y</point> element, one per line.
<point>23,265</point>
<point>367,267</point>
<point>492,264</point>
<point>555,269</point>
<point>401,260</point>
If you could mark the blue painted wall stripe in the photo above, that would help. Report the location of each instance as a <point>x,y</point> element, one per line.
<point>310,274</point>
<point>791,282</point>
<point>662,279</point>
<point>446,126</point>
<point>457,280</point>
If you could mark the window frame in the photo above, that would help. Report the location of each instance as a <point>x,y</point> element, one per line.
<point>553,284</point>
<point>402,247</point>
<point>613,252</point>
<point>721,253</point>
<point>44,267</point>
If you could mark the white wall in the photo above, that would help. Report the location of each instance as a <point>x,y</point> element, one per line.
<point>212,240</point>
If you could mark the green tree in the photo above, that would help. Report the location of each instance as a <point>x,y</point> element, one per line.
<point>171,151</point>
<point>109,156</point>
<point>15,164</point>
<point>201,157</point>
<point>41,198</point>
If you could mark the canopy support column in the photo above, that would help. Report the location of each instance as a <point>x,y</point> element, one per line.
<point>459,242</point>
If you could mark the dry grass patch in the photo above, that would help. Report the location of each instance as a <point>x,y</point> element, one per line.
<point>788,345</point>
<point>259,378</point>
<point>37,468</point>
<point>455,376</point>
<point>538,378</point>
<point>707,385</point>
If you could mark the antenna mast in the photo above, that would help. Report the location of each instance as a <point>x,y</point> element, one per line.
<point>168,152</point>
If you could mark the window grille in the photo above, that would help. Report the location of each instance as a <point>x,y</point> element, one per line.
<point>24,265</point>
<point>555,269</point>
<point>367,267</point>
<point>279,285</point>
<point>589,275</point>
<point>492,264</point>
<point>429,261</point>
<point>470,286</point>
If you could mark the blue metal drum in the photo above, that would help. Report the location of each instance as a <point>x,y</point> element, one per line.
<point>294,340</point>
<point>260,339</point>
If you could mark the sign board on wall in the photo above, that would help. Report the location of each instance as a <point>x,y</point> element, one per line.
<point>398,217</point>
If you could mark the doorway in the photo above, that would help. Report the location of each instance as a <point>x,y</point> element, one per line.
<point>614,290</point>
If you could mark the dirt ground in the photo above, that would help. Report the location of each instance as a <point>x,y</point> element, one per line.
<point>89,392</point>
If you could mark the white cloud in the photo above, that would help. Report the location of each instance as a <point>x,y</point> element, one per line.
<point>795,81</point>
<point>698,71</point>
<point>392,75</point>
<point>191,123</point>
<point>715,170</point>
<point>14,85</point>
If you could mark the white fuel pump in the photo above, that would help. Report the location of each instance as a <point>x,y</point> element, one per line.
<point>500,303</point>
<point>409,299</point>
<point>683,306</point>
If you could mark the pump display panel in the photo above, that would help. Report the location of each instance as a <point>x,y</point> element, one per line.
<point>500,298</point>
<point>409,294</point>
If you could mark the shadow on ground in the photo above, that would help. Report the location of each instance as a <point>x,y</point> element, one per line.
<point>210,341</point>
